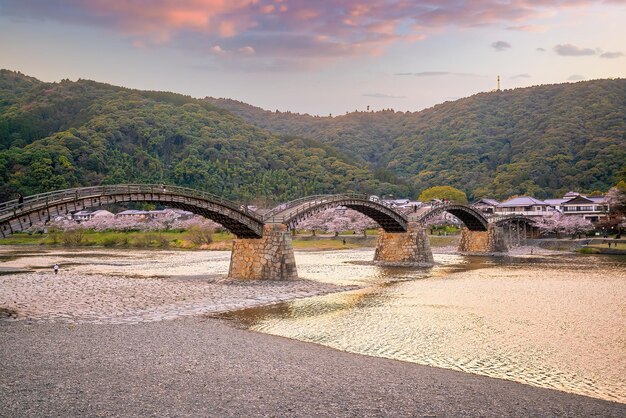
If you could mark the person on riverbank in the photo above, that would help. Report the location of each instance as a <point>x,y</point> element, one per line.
<point>56,268</point>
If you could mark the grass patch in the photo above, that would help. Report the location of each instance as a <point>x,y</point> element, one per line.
<point>24,239</point>
<point>437,241</point>
<point>588,250</point>
<point>116,239</point>
<point>616,245</point>
<point>323,244</point>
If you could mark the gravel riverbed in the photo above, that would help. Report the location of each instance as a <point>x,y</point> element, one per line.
<point>199,366</point>
<point>94,298</point>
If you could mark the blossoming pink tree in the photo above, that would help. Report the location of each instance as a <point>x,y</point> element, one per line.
<point>337,221</point>
<point>563,224</point>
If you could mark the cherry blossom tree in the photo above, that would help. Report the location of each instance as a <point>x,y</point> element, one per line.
<point>337,221</point>
<point>314,223</point>
<point>338,224</point>
<point>360,222</point>
<point>439,221</point>
<point>616,199</point>
<point>575,225</point>
<point>200,229</point>
<point>549,225</point>
<point>563,224</point>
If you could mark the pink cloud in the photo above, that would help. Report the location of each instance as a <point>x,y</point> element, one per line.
<point>291,29</point>
<point>528,28</point>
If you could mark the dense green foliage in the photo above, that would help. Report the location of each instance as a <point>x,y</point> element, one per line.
<point>540,141</point>
<point>443,192</point>
<point>69,134</point>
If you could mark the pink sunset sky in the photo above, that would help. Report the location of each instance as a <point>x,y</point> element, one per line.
<point>317,57</point>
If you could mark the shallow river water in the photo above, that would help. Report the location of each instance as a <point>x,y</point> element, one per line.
<point>551,321</point>
<point>554,321</point>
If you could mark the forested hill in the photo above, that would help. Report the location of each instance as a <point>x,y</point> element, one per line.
<point>69,134</point>
<point>539,141</point>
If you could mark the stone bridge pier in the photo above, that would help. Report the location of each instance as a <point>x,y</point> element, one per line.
<point>483,242</point>
<point>268,258</point>
<point>411,248</point>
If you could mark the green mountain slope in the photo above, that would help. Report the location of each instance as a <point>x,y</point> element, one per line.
<point>68,134</point>
<point>540,141</point>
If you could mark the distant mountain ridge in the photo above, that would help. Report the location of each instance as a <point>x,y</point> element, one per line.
<point>539,140</point>
<point>69,134</point>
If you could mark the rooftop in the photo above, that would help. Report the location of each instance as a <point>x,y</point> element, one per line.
<point>522,201</point>
<point>492,202</point>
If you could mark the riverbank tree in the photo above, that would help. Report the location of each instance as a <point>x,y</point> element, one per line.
<point>442,193</point>
<point>559,224</point>
<point>337,221</point>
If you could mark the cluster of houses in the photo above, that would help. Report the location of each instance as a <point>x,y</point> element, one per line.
<point>591,208</point>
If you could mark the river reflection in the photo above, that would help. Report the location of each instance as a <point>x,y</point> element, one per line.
<point>551,321</point>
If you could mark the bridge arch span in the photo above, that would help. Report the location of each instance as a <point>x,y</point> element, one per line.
<point>520,219</point>
<point>473,219</point>
<point>297,211</point>
<point>16,216</point>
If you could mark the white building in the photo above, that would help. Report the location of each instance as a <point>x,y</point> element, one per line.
<point>131,213</point>
<point>593,208</point>
<point>101,213</point>
<point>82,215</point>
<point>85,215</point>
<point>487,206</point>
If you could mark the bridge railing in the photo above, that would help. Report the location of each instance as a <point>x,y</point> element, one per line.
<point>432,211</point>
<point>68,195</point>
<point>304,204</point>
<point>308,199</point>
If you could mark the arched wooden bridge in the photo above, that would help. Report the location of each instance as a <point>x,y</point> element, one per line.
<point>473,219</point>
<point>17,215</point>
<point>509,219</point>
<point>263,249</point>
<point>296,211</point>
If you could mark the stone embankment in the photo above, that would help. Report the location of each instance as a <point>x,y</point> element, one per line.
<point>82,298</point>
